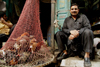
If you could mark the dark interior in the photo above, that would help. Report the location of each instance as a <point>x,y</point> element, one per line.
<point>45,17</point>
<point>90,8</point>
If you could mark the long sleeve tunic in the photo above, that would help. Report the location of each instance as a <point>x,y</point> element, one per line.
<point>81,23</point>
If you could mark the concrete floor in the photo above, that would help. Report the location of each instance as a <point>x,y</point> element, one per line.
<point>78,62</point>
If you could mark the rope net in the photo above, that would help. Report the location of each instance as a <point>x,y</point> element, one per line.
<point>26,45</point>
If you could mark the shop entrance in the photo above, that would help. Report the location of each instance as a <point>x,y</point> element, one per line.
<point>45,17</point>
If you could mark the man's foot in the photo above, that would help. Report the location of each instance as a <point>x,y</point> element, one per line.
<point>87,62</point>
<point>63,56</point>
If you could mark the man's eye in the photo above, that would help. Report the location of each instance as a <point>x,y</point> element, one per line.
<point>72,9</point>
<point>75,8</point>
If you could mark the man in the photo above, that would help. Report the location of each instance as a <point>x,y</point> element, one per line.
<point>76,29</point>
<point>5,24</point>
<point>5,28</point>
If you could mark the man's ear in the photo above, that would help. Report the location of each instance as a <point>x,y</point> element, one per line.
<point>78,10</point>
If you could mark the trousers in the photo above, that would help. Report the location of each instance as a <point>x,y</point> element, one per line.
<point>85,39</point>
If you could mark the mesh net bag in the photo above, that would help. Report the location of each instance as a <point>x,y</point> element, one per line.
<point>25,47</point>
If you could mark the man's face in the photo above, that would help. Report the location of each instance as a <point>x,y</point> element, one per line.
<point>74,10</point>
<point>5,17</point>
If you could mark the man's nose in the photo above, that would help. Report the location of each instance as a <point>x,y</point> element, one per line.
<point>74,10</point>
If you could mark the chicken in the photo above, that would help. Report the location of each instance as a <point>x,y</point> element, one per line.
<point>24,34</point>
<point>39,44</point>
<point>23,39</point>
<point>33,45</point>
<point>11,57</point>
<point>23,57</point>
<point>16,46</point>
<point>14,61</point>
<point>2,53</point>
<point>32,36</point>
<point>22,43</point>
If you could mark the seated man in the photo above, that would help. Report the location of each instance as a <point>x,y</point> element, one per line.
<point>5,26</point>
<point>76,29</point>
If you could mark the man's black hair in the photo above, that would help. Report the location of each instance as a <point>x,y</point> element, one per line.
<point>74,4</point>
<point>2,14</point>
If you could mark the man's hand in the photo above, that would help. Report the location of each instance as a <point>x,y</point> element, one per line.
<point>71,37</point>
<point>2,19</point>
<point>6,23</point>
<point>74,34</point>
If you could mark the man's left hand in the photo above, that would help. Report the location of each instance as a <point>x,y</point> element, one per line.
<point>71,37</point>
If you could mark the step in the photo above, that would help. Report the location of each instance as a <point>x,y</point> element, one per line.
<point>78,62</point>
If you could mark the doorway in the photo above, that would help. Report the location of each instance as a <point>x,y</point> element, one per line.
<point>45,18</point>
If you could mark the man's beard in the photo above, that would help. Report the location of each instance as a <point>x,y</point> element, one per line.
<point>74,13</point>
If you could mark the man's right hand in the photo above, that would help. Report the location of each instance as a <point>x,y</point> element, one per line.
<point>2,19</point>
<point>74,34</point>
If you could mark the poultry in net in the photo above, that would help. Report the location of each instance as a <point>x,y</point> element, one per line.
<point>25,44</point>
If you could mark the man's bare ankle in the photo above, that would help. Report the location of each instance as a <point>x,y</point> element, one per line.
<point>87,55</point>
<point>65,52</point>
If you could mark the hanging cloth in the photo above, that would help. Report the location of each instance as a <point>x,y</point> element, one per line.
<point>9,6</point>
<point>2,6</point>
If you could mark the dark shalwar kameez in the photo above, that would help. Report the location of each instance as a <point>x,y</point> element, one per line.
<point>83,42</point>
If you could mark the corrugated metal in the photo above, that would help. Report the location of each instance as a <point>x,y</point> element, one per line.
<point>62,11</point>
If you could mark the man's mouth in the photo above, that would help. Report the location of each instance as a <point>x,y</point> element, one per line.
<point>73,12</point>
